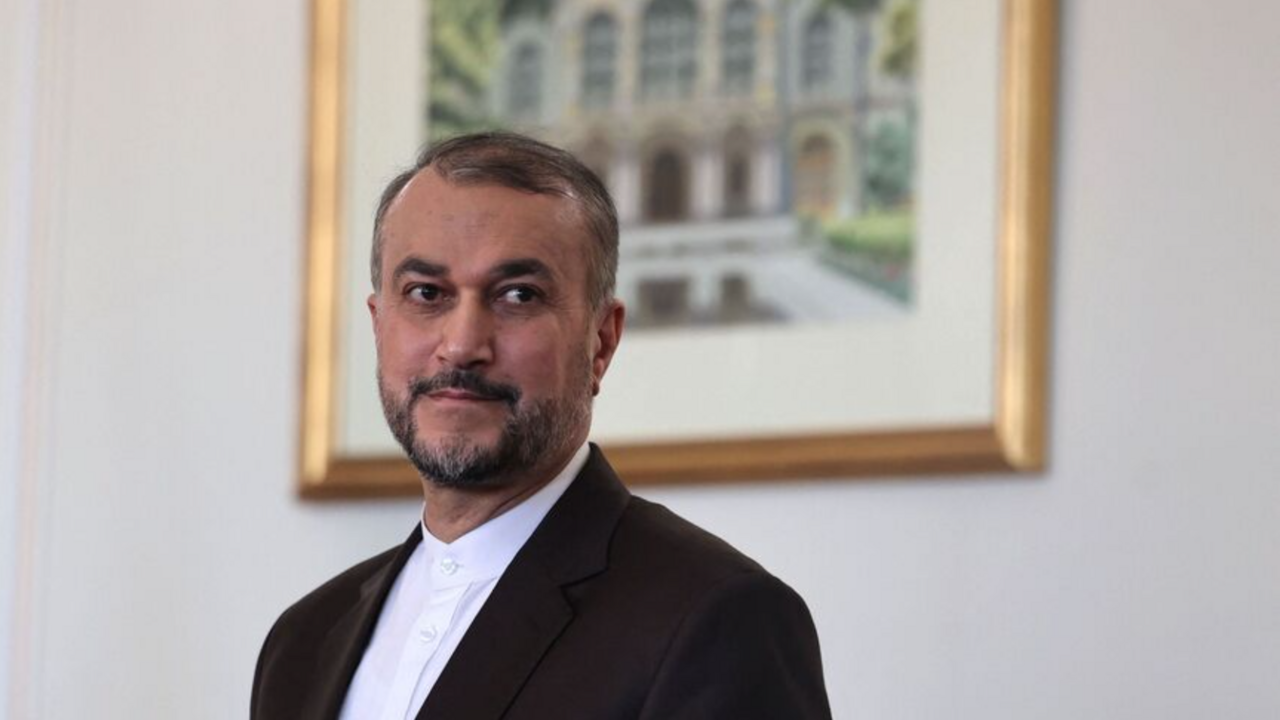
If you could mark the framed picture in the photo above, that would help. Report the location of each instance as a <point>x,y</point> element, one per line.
<point>834,217</point>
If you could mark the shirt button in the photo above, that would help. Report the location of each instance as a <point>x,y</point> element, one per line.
<point>448,566</point>
<point>427,634</point>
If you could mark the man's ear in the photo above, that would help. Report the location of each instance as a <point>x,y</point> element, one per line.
<point>372,303</point>
<point>607,335</point>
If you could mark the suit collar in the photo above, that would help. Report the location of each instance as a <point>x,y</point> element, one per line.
<point>528,610</point>
<point>572,543</point>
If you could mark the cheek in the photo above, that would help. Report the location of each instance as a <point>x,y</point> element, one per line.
<point>403,350</point>
<point>535,362</point>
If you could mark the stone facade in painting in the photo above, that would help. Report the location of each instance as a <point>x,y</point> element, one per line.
<point>724,129</point>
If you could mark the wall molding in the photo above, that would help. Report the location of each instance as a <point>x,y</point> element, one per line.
<point>35,38</point>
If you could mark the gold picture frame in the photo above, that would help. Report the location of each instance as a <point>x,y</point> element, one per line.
<point>1013,440</point>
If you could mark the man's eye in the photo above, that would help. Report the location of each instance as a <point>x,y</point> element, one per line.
<point>424,293</point>
<point>519,295</point>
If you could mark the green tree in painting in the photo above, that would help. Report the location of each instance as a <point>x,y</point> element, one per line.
<point>889,165</point>
<point>888,151</point>
<point>877,245</point>
<point>464,49</point>
<point>891,153</point>
<point>898,57</point>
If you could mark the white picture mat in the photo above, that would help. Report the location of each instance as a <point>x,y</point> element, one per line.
<point>933,366</point>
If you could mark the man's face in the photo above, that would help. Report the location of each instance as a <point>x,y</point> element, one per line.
<point>488,349</point>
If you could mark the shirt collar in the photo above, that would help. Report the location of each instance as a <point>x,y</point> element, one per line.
<point>485,552</point>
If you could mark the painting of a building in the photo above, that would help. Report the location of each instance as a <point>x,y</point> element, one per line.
<point>759,151</point>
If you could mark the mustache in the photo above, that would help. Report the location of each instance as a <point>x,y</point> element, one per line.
<point>466,380</point>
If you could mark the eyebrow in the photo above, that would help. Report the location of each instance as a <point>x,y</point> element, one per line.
<point>418,266</point>
<point>520,268</point>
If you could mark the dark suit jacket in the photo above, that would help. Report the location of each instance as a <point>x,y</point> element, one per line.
<point>615,608</point>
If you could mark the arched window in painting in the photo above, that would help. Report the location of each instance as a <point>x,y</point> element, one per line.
<point>815,179</point>
<point>668,49</point>
<point>667,187</point>
<point>599,60</point>
<point>818,51</point>
<point>737,173</point>
<point>738,47</point>
<point>524,94</point>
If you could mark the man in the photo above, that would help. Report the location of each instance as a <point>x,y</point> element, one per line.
<point>535,587</point>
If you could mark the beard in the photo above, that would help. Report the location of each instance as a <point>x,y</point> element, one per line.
<point>532,433</point>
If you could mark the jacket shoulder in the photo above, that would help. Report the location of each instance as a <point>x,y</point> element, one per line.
<point>661,565</point>
<point>672,629</point>
<point>666,545</point>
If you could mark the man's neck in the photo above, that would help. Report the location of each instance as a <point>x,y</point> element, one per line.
<point>453,512</point>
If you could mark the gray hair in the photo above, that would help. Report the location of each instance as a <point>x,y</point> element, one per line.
<point>521,163</point>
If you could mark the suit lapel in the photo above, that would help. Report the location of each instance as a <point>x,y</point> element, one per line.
<point>343,646</point>
<point>509,636</point>
<point>528,610</point>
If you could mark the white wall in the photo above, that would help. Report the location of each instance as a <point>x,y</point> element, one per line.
<point>1138,578</point>
<point>17,60</point>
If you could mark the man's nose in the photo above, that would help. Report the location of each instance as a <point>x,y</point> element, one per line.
<point>466,340</point>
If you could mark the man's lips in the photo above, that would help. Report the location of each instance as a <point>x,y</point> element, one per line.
<point>457,395</point>
<point>462,388</point>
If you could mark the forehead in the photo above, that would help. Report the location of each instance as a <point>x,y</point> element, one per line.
<point>463,225</point>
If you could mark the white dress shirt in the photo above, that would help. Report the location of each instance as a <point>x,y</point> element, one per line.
<point>432,603</point>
